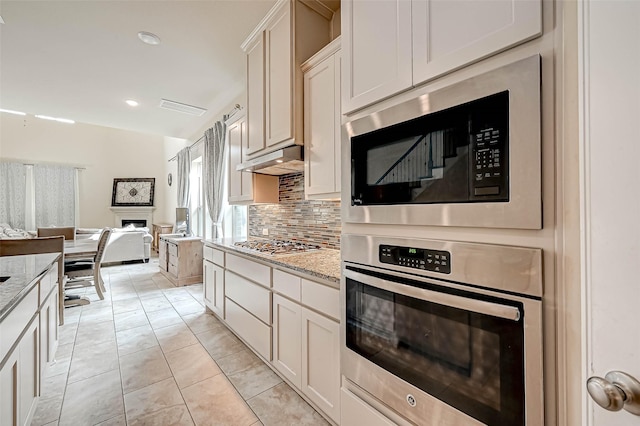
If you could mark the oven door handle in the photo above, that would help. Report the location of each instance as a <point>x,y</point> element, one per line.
<point>478,306</point>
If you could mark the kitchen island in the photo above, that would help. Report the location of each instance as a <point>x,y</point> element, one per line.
<point>29,330</point>
<point>286,308</point>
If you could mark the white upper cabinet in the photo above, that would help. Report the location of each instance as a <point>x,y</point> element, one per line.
<point>280,87</point>
<point>392,45</point>
<point>376,46</point>
<point>245,187</point>
<point>291,33</point>
<point>255,95</point>
<point>240,184</point>
<point>322,123</point>
<point>450,34</point>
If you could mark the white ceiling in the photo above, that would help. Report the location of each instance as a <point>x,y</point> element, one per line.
<point>81,59</point>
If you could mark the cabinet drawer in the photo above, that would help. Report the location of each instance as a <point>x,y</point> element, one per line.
<point>250,296</point>
<point>355,411</point>
<point>321,298</point>
<point>256,272</point>
<point>213,255</point>
<point>286,284</point>
<point>17,320</point>
<point>249,328</point>
<point>173,249</point>
<point>173,269</point>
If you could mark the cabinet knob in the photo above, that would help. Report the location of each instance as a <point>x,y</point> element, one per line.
<point>616,391</point>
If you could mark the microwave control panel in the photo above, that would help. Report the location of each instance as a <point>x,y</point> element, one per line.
<point>418,258</point>
<point>489,179</point>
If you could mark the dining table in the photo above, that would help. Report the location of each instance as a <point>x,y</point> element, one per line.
<point>80,249</point>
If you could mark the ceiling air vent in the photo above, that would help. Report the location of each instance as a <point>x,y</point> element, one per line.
<point>177,106</point>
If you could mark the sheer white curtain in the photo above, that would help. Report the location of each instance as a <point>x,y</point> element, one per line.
<point>12,194</point>
<point>184,169</point>
<point>54,195</point>
<point>213,171</point>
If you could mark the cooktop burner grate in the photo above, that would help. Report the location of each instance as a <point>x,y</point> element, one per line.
<point>276,246</point>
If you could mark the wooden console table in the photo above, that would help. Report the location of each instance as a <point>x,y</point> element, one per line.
<point>180,259</point>
<point>157,230</point>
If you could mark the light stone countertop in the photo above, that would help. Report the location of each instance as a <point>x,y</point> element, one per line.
<point>23,272</point>
<point>323,263</point>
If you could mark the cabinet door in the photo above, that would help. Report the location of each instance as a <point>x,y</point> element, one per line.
<point>255,95</point>
<point>218,291</point>
<point>376,41</point>
<point>9,390</point>
<point>321,362</point>
<point>450,34</point>
<point>48,331</point>
<point>321,129</point>
<point>240,183</point>
<point>162,254</point>
<point>29,373</point>
<point>287,339</point>
<point>208,277</point>
<point>279,77</point>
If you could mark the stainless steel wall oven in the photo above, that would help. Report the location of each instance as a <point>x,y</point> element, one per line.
<point>465,155</point>
<point>444,333</point>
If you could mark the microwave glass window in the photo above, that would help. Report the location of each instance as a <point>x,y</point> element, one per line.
<point>472,361</point>
<point>456,155</point>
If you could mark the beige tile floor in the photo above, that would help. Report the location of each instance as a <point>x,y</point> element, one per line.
<point>149,355</point>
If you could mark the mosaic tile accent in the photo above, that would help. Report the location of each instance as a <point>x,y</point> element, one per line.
<point>295,218</point>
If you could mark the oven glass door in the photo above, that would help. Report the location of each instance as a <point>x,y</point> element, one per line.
<point>469,360</point>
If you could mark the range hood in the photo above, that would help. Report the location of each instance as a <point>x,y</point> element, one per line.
<point>281,162</point>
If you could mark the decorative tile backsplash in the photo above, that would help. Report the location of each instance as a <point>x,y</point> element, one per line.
<point>313,221</point>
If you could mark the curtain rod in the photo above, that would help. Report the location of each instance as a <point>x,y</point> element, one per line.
<point>31,163</point>
<point>235,109</point>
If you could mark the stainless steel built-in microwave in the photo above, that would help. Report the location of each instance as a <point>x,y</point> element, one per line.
<point>465,155</point>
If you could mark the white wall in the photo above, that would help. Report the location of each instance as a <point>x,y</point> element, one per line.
<point>104,153</point>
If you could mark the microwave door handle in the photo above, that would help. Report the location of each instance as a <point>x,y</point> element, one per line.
<point>478,306</point>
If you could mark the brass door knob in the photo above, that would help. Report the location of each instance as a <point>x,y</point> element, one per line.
<point>616,391</point>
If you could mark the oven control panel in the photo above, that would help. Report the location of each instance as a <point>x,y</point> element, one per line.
<point>412,257</point>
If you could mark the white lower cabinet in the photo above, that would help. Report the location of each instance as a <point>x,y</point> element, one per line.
<point>321,362</point>
<point>19,380</point>
<point>48,331</point>
<point>213,279</point>
<point>248,302</point>
<point>253,331</point>
<point>213,287</point>
<point>307,348</point>
<point>355,411</point>
<point>287,339</point>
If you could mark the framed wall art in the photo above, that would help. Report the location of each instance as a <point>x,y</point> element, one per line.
<point>133,191</point>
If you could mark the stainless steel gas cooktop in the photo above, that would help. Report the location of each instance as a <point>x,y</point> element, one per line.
<point>276,246</point>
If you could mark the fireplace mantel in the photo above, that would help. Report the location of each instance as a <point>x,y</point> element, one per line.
<point>133,213</point>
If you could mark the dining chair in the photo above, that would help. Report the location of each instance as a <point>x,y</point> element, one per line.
<point>86,273</point>
<point>68,232</point>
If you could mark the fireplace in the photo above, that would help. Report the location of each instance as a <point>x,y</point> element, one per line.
<point>138,216</point>
<point>138,223</point>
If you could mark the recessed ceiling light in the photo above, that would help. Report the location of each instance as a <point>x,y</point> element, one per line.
<point>1,20</point>
<point>10,111</point>
<point>149,38</point>
<point>131,102</point>
<point>60,120</point>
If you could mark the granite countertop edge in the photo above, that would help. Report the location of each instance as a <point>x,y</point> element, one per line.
<point>323,264</point>
<point>24,270</point>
